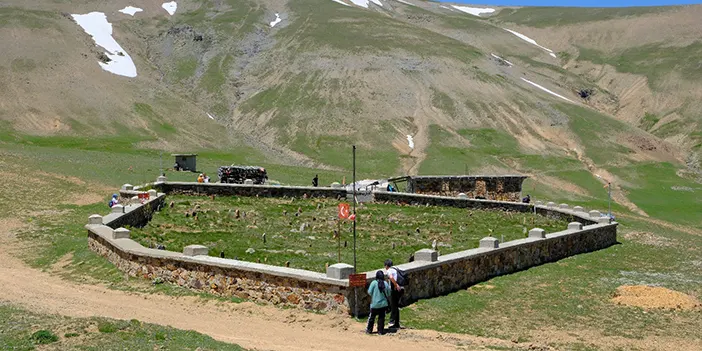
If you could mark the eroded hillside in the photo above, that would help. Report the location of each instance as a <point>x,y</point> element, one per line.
<point>421,87</point>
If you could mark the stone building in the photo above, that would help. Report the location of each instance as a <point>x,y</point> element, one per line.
<point>500,188</point>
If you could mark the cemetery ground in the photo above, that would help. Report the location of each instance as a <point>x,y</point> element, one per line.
<point>301,231</point>
<point>570,304</point>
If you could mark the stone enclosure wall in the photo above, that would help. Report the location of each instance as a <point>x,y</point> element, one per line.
<point>459,270</point>
<point>430,274</point>
<point>220,189</point>
<point>217,276</point>
<point>551,210</point>
<point>499,188</point>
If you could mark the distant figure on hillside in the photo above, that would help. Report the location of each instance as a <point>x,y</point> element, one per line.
<point>527,199</point>
<point>205,178</point>
<point>200,178</point>
<point>390,188</point>
<point>379,290</point>
<point>113,201</point>
<point>176,167</point>
<point>315,180</point>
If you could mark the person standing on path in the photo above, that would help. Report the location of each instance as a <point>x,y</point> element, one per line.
<point>395,294</point>
<point>315,180</point>
<point>379,292</point>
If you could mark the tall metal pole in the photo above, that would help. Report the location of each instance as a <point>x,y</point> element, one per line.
<point>354,208</point>
<point>355,289</point>
<point>609,200</point>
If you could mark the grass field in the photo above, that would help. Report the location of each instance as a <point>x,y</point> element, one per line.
<point>22,330</point>
<point>560,16</point>
<point>570,295</point>
<point>383,231</point>
<point>574,294</point>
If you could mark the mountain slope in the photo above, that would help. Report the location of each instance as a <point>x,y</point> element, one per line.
<point>548,92</point>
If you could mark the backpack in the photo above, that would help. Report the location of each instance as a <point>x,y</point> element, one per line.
<point>402,279</point>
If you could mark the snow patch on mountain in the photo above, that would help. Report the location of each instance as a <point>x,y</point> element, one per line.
<point>475,11</point>
<point>130,10</point>
<point>170,7</point>
<point>530,41</point>
<point>410,141</point>
<point>548,91</point>
<point>276,21</point>
<point>501,59</point>
<point>96,25</point>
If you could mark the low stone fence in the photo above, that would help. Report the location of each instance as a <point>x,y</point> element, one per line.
<point>220,189</point>
<point>551,210</point>
<point>134,214</point>
<point>431,274</point>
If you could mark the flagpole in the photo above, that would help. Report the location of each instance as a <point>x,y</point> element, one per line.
<point>354,208</point>
<point>609,200</point>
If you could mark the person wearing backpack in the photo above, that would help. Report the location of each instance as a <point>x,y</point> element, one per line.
<point>113,201</point>
<point>379,290</point>
<point>397,282</point>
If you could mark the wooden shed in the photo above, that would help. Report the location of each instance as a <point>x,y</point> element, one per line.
<point>185,162</point>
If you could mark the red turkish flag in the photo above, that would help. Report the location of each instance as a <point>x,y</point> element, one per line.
<point>343,211</point>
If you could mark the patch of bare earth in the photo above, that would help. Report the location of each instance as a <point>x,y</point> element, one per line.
<point>648,238</point>
<point>677,227</point>
<point>618,194</point>
<point>594,340</point>
<point>654,297</point>
<point>84,199</point>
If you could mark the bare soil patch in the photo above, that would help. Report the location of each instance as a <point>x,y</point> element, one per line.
<point>649,238</point>
<point>84,199</point>
<point>654,297</point>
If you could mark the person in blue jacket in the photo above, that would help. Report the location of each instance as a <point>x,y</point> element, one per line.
<point>113,201</point>
<point>379,290</point>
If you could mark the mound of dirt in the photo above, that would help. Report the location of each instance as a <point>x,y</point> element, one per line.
<point>650,297</point>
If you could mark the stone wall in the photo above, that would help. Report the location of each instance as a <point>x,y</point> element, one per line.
<point>499,188</point>
<point>551,211</point>
<point>460,270</point>
<point>224,277</point>
<point>137,215</point>
<point>193,188</point>
<point>430,274</point>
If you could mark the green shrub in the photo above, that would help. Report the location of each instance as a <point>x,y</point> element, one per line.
<point>43,336</point>
<point>107,327</point>
<point>71,335</point>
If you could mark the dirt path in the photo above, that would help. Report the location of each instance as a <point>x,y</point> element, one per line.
<point>604,176</point>
<point>246,324</point>
<point>253,326</point>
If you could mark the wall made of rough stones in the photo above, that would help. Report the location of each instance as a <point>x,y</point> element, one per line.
<point>498,188</point>
<point>192,188</point>
<point>278,285</point>
<point>447,201</point>
<point>136,215</point>
<point>256,286</point>
<point>460,270</point>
